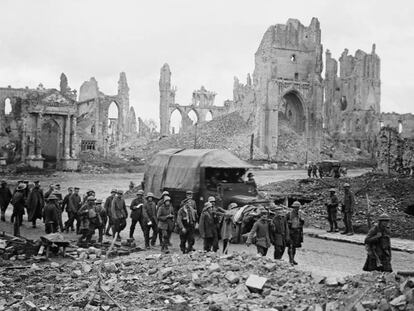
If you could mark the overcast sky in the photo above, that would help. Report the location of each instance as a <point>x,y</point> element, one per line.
<point>204,42</point>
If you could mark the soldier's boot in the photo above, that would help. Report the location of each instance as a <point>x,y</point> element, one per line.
<point>291,253</point>
<point>131,234</point>
<point>3,216</point>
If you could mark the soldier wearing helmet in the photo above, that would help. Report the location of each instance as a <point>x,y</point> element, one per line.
<point>165,217</point>
<point>260,233</point>
<point>50,214</point>
<point>119,213</point>
<point>332,208</point>
<point>136,212</point>
<point>149,220</point>
<point>186,222</point>
<point>107,207</point>
<point>378,245</point>
<point>295,224</point>
<point>89,221</point>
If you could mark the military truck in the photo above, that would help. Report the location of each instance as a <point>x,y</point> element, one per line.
<point>206,172</point>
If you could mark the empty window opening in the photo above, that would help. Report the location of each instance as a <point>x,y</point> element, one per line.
<point>88,145</point>
<point>7,106</point>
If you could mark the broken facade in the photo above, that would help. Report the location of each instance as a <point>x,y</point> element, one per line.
<point>202,104</point>
<point>98,130</point>
<point>287,85</point>
<point>38,126</point>
<point>352,99</point>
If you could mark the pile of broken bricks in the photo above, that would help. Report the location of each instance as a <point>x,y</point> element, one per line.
<point>195,281</point>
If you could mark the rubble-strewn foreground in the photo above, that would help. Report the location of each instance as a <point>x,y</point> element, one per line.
<point>196,281</point>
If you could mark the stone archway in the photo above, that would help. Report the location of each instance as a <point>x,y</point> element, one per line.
<point>293,112</point>
<point>175,121</point>
<point>50,142</point>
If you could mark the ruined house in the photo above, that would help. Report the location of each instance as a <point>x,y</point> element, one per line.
<point>38,126</point>
<point>97,128</point>
<point>202,105</point>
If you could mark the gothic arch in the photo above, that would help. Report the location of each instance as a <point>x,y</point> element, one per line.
<point>196,114</point>
<point>174,124</point>
<point>294,110</point>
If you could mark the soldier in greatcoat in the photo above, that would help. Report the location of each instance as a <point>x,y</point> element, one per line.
<point>378,245</point>
<point>149,220</point>
<point>136,212</point>
<point>279,233</point>
<point>119,214</point>
<point>332,209</point>
<point>35,204</point>
<point>348,207</point>
<point>50,214</point>
<point>19,203</point>
<point>107,206</point>
<point>186,221</point>
<point>207,227</point>
<point>5,198</point>
<point>165,218</point>
<point>260,233</point>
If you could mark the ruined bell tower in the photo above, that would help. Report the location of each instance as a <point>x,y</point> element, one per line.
<point>167,98</point>
<point>123,95</point>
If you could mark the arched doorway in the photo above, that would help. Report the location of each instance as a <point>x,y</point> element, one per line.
<point>193,116</point>
<point>175,121</point>
<point>113,119</point>
<point>50,141</point>
<point>293,113</point>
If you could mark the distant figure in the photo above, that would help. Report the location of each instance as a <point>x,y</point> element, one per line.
<point>348,209</point>
<point>378,245</point>
<point>310,170</point>
<point>35,203</point>
<point>131,185</point>
<point>279,233</point>
<point>149,220</point>
<point>50,214</point>
<point>165,218</point>
<point>315,171</point>
<point>107,207</point>
<point>250,181</point>
<point>207,227</point>
<point>186,221</point>
<point>136,213</point>
<point>119,214</point>
<point>18,201</point>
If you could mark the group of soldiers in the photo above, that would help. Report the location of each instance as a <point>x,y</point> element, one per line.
<point>158,218</point>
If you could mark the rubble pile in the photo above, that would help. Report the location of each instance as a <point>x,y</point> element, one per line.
<point>392,195</point>
<point>196,281</point>
<point>114,162</point>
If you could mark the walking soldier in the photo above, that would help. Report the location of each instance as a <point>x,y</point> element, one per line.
<point>260,233</point>
<point>50,214</point>
<point>35,204</point>
<point>119,214</point>
<point>149,220</point>
<point>104,217</point>
<point>107,206</point>
<point>165,217</point>
<point>74,204</point>
<point>279,233</point>
<point>136,213</point>
<point>89,220</point>
<point>18,202</point>
<point>186,220</point>
<point>295,224</point>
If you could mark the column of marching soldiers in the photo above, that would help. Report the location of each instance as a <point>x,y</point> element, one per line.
<point>159,218</point>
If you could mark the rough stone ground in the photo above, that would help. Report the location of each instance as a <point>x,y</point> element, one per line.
<point>393,195</point>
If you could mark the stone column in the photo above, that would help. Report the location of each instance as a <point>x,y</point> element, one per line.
<point>73,143</point>
<point>66,137</point>
<point>39,121</point>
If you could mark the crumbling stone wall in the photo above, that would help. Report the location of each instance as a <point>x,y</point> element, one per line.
<point>202,103</point>
<point>403,122</point>
<point>352,99</point>
<point>395,153</point>
<point>95,130</point>
<point>40,129</point>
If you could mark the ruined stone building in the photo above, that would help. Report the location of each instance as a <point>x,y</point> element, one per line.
<point>97,129</point>
<point>352,99</point>
<point>202,104</point>
<point>38,126</point>
<point>287,86</point>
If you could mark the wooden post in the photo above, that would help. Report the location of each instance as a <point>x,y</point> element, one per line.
<point>251,146</point>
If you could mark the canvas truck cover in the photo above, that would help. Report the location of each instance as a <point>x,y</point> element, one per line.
<point>180,168</point>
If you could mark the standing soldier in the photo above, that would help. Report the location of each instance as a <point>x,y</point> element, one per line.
<point>119,214</point>
<point>59,196</point>
<point>49,191</point>
<point>378,245</point>
<point>279,233</point>
<point>136,213</point>
<point>332,208</point>
<point>107,206</point>
<point>50,214</point>
<point>66,201</point>
<point>149,220</point>
<point>74,204</point>
<point>89,220</point>
<point>348,209</point>
<point>165,217</point>
<point>18,202</point>
<point>186,220</point>
<point>310,170</point>
<point>315,171</point>
<point>5,197</point>
<point>101,223</point>
<point>35,204</point>
<point>295,224</point>
<point>207,227</point>
<point>261,233</point>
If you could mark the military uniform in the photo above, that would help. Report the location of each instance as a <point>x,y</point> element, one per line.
<point>348,210</point>
<point>207,227</point>
<point>279,235</point>
<point>136,213</point>
<point>89,220</point>
<point>35,203</point>
<point>165,218</point>
<point>74,204</point>
<point>50,215</point>
<point>5,197</point>
<point>119,214</point>
<point>295,224</point>
<point>18,201</point>
<point>107,207</point>
<point>260,235</point>
<point>149,220</point>
<point>332,209</point>
<point>186,220</point>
